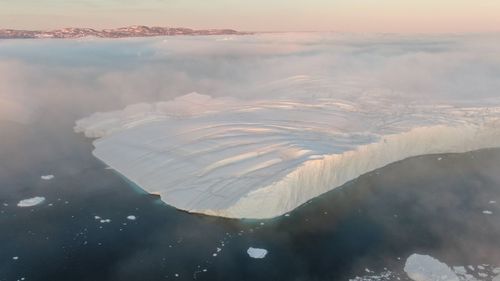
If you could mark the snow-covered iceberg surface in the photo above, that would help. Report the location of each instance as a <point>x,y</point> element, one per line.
<point>263,158</point>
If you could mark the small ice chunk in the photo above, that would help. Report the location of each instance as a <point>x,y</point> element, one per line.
<point>460,270</point>
<point>257,253</point>
<point>426,268</point>
<point>131,217</point>
<point>487,212</point>
<point>47,177</point>
<point>105,221</point>
<point>493,202</point>
<point>97,217</point>
<point>440,158</point>
<point>30,202</point>
<point>15,258</point>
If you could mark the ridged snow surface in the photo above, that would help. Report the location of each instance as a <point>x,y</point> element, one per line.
<point>263,158</point>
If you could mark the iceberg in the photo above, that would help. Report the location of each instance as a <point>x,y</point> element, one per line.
<point>263,158</point>
<point>426,268</point>
<point>30,202</point>
<point>257,253</point>
<point>47,177</point>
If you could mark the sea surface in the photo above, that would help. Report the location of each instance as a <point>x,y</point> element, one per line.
<point>444,206</point>
<point>431,205</point>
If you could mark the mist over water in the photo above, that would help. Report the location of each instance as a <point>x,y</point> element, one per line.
<point>422,205</point>
<point>87,75</point>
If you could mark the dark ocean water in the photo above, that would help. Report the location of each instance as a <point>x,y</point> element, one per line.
<point>431,205</point>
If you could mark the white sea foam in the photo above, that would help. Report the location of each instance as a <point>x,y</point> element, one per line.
<point>263,158</point>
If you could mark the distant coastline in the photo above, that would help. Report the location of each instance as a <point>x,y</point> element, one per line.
<point>122,32</point>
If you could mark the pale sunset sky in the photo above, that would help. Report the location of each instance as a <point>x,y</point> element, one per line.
<point>401,16</point>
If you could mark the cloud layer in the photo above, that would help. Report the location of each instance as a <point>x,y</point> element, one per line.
<point>84,76</point>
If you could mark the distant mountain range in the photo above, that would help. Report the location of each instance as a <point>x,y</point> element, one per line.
<point>122,32</point>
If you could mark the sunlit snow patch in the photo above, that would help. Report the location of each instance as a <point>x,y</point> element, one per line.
<point>30,202</point>
<point>257,253</point>
<point>263,158</point>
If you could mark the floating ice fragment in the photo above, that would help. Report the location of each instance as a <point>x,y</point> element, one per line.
<point>47,177</point>
<point>30,202</point>
<point>257,253</point>
<point>426,268</point>
<point>487,212</point>
<point>460,270</point>
<point>131,217</point>
<point>15,258</point>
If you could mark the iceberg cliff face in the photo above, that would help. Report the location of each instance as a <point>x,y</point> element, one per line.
<point>263,158</point>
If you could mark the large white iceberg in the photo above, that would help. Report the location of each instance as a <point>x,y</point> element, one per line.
<point>263,158</point>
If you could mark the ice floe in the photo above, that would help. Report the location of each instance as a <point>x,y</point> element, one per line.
<point>257,253</point>
<point>30,202</point>
<point>47,177</point>
<point>426,268</point>
<point>263,158</point>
